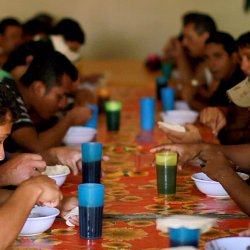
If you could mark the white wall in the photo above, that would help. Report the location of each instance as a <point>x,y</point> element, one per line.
<point>130,28</point>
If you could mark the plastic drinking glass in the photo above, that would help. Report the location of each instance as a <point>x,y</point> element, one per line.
<point>91,201</point>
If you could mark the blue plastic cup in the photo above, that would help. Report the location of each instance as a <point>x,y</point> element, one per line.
<point>91,162</point>
<point>91,201</point>
<point>93,121</point>
<point>161,82</point>
<point>166,69</point>
<point>167,97</point>
<point>147,106</point>
<point>184,237</point>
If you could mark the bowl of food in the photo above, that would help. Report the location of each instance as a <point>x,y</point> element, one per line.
<point>210,187</point>
<point>58,173</point>
<point>229,243</point>
<point>77,135</point>
<point>180,117</point>
<point>39,220</point>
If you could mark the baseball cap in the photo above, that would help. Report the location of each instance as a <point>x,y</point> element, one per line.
<point>240,93</point>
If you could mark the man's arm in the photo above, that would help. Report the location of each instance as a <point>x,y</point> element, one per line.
<point>219,168</point>
<point>65,156</point>
<point>239,155</point>
<point>13,213</point>
<point>30,140</point>
<point>21,167</point>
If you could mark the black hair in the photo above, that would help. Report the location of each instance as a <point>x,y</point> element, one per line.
<point>18,56</point>
<point>243,41</point>
<point>46,18</point>
<point>70,30</point>
<point>202,22</point>
<point>8,22</point>
<point>7,105</point>
<point>49,69</point>
<point>225,39</point>
<point>36,26</point>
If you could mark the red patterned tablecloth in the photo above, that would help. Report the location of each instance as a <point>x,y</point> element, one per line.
<point>131,200</point>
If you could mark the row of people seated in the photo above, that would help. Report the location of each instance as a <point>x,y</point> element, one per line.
<point>207,63</point>
<point>66,36</point>
<point>37,80</point>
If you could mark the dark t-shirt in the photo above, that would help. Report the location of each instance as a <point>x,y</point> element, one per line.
<point>219,97</point>
<point>24,118</point>
<point>237,130</point>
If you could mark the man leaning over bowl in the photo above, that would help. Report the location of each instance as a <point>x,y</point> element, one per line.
<point>221,162</point>
<point>40,190</point>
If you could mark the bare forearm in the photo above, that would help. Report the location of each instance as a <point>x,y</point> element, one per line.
<point>239,155</point>
<point>239,191</point>
<point>4,195</point>
<point>53,136</point>
<point>13,215</point>
<point>184,68</point>
<point>50,156</point>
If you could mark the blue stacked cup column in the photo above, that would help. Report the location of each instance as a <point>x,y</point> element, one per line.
<point>161,82</point>
<point>147,113</point>
<point>168,98</point>
<point>93,121</point>
<point>91,201</point>
<point>184,237</point>
<point>91,162</point>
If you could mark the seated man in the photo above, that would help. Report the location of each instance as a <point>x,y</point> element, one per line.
<point>67,38</point>
<point>221,58</point>
<point>40,93</point>
<point>20,59</point>
<point>222,61</point>
<point>188,53</point>
<point>222,162</point>
<point>234,122</point>
<point>39,190</point>
<point>10,37</point>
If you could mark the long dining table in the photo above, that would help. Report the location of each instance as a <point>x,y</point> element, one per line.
<point>131,201</point>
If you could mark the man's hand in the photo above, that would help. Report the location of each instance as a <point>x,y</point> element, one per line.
<point>43,189</point>
<point>214,118</point>
<point>66,205</point>
<point>21,167</point>
<point>217,165</point>
<point>186,152</point>
<point>78,115</point>
<point>192,134</point>
<point>70,157</point>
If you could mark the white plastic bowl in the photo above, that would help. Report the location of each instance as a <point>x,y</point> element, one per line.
<point>229,243</point>
<point>58,173</point>
<point>77,135</point>
<point>180,116</point>
<point>181,105</point>
<point>210,187</point>
<point>40,220</point>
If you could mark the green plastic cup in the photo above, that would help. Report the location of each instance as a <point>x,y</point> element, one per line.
<point>166,173</point>
<point>113,111</point>
<point>166,69</point>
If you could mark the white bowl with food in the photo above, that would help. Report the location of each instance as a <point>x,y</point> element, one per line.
<point>39,220</point>
<point>77,135</point>
<point>180,117</point>
<point>210,187</point>
<point>229,243</point>
<point>58,173</point>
